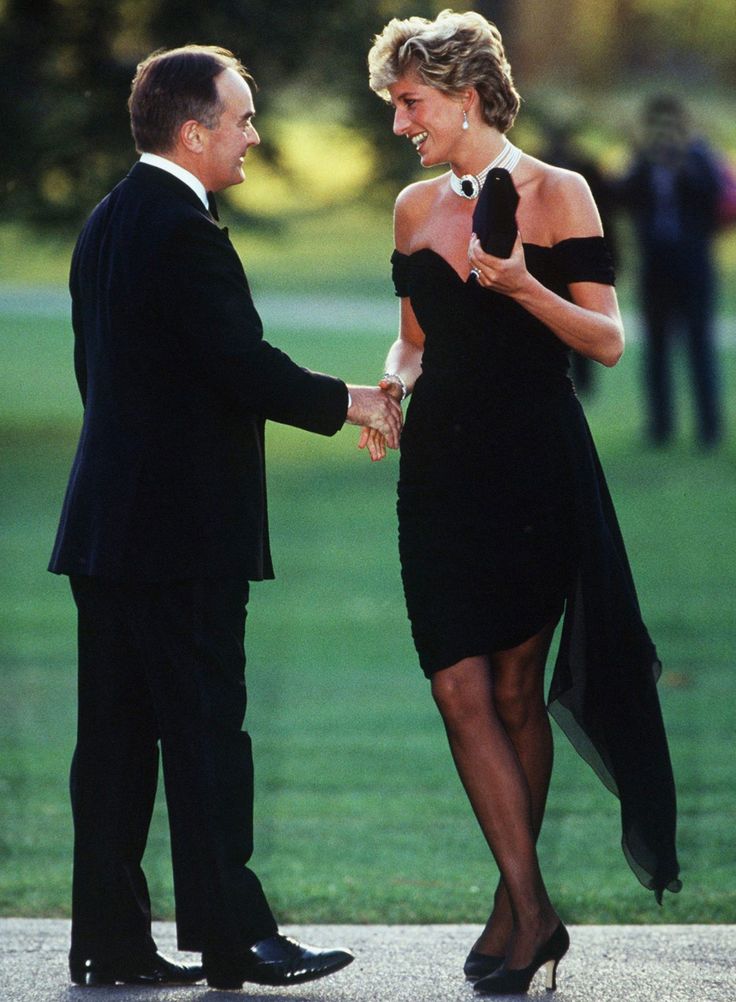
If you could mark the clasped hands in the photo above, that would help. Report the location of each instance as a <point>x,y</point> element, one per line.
<point>377,409</point>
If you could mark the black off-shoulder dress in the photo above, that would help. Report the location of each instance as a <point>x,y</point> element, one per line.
<point>505,521</point>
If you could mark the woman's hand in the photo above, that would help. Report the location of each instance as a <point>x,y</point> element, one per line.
<point>507,275</point>
<point>374,441</point>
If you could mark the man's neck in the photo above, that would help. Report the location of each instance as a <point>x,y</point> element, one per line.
<point>178,171</point>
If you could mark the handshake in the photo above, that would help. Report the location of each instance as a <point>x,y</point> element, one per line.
<point>378,411</point>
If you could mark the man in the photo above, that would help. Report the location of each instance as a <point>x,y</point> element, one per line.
<point>672,193</point>
<point>163,526</point>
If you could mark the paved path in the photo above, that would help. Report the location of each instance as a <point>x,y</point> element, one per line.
<point>305,311</point>
<point>695,963</point>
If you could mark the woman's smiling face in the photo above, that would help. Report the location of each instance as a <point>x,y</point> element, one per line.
<point>429,118</point>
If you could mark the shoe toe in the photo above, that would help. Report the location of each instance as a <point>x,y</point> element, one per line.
<point>282,960</point>
<point>276,960</point>
<point>480,965</point>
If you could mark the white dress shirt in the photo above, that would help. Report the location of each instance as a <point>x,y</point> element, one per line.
<point>154,160</point>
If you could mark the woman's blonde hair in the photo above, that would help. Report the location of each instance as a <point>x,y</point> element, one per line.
<point>452,53</point>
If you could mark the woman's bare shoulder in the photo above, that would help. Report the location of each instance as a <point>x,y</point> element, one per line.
<point>413,205</point>
<point>564,198</point>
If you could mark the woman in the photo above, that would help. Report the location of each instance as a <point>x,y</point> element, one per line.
<point>504,515</point>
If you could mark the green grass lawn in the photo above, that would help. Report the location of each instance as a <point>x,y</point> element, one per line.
<point>360,816</point>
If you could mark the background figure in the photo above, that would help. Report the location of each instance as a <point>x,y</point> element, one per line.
<point>672,191</point>
<point>563,150</point>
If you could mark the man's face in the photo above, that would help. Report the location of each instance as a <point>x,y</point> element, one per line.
<point>226,145</point>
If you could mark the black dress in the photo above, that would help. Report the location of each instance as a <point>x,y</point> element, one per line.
<point>505,521</point>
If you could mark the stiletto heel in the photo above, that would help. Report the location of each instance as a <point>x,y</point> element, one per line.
<point>506,981</point>
<point>551,975</point>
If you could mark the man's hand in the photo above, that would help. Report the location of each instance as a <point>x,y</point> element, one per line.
<point>375,408</point>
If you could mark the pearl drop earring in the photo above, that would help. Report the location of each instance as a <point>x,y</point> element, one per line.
<point>466,123</point>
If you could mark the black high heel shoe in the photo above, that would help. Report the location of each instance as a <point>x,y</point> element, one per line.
<point>506,981</point>
<point>479,965</point>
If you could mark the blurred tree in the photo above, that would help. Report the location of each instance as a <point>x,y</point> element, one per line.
<point>66,65</point>
<point>700,37</point>
<point>62,101</point>
<point>620,40</point>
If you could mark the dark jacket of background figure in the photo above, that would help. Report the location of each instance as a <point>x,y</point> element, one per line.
<point>696,190</point>
<point>168,481</point>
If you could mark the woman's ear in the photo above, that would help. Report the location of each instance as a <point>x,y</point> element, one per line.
<point>470,100</point>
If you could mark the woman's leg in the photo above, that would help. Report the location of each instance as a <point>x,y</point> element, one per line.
<point>472,695</point>
<point>493,776</point>
<point>518,679</point>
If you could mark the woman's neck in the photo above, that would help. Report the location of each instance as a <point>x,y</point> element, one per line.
<point>478,153</point>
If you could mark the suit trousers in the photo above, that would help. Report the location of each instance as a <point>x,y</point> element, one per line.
<point>678,291</point>
<point>162,665</point>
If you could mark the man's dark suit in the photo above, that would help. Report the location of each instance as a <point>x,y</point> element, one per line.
<point>164,524</point>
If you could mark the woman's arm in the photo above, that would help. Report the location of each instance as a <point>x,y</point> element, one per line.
<point>404,359</point>
<point>591,323</point>
<point>405,355</point>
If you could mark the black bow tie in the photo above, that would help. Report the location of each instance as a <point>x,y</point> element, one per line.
<point>212,205</point>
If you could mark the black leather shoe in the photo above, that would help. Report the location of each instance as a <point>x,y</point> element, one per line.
<point>155,970</point>
<point>277,960</point>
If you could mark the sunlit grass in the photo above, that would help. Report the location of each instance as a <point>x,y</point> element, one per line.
<point>360,816</point>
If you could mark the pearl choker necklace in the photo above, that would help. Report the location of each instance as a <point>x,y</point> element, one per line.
<point>470,185</point>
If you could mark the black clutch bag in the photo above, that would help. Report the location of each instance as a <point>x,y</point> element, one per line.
<point>494,217</point>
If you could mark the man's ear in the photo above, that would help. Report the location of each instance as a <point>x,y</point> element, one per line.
<point>190,136</point>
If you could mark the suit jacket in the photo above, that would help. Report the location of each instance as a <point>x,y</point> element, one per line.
<point>168,481</point>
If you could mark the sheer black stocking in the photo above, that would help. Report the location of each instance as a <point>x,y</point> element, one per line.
<point>496,721</point>
<point>519,698</point>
